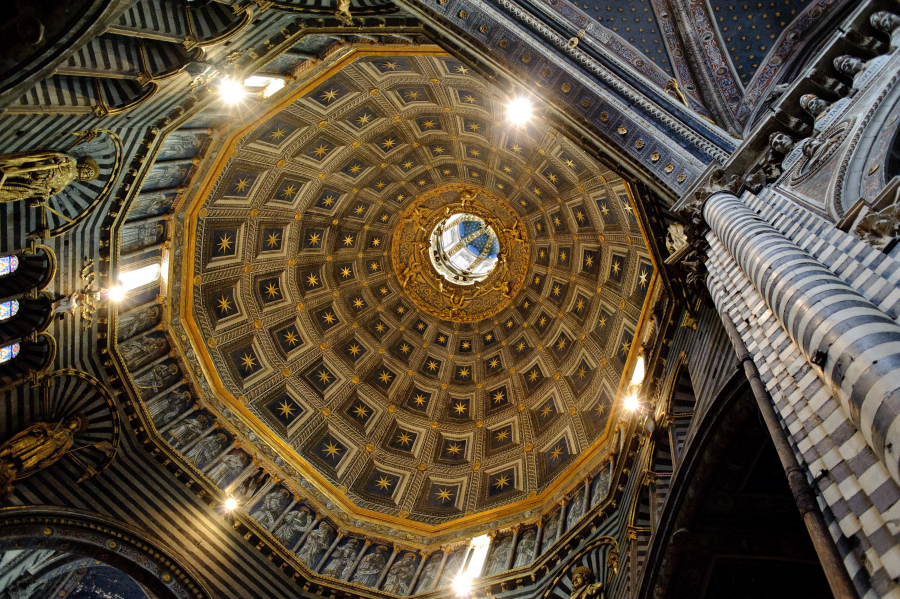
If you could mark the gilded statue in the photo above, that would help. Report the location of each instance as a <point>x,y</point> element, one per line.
<point>466,198</point>
<point>419,216</point>
<point>583,585</point>
<point>342,12</point>
<point>35,448</point>
<point>35,176</point>
<point>502,274</point>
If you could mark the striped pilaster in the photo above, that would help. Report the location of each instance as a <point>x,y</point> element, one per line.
<point>826,318</point>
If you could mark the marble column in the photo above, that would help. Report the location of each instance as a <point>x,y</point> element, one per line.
<point>854,346</point>
<point>327,554</point>
<point>387,567</point>
<point>440,571</point>
<point>415,579</point>
<point>517,530</point>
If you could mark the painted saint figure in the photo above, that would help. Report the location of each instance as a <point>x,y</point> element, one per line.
<point>500,556</point>
<point>142,349</point>
<point>293,525</point>
<point>317,544</point>
<point>187,430</point>
<point>428,573</point>
<point>576,511</point>
<point>153,381</point>
<point>370,567</point>
<point>525,550</point>
<point>35,176</point>
<point>400,575</point>
<point>165,409</point>
<point>342,559</point>
<point>271,508</point>
<point>228,468</point>
<point>203,452</point>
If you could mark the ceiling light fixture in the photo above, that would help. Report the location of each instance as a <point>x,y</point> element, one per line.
<point>231,91</point>
<point>518,112</point>
<point>631,402</point>
<point>115,293</point>
<point>462,584</point>
<point>230,503</point>
<point>637,377</point>
<point>268,86</point>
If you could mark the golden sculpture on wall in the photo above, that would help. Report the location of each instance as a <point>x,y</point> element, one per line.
<point>35,176</point>
<point>35,448</point>
<point>412,249</point>
<point>583,585</point>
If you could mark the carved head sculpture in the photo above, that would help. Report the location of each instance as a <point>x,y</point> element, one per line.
<point>813,104</point>
<point>86,169</point>
<point>781,143</point>
<point>581,576</point>
<point>849,65</point>
<point>77,423</point>
<point>885,21</point>
<point>352,543</point>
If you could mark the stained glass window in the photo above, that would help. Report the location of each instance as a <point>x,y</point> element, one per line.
<point>8,309</point>
<point>9,352</point>
<point>8,265</point>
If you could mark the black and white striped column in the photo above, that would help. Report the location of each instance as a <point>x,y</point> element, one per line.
<point>856,344</point>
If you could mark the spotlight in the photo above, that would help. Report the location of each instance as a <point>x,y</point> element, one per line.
<point>230,503</point>
<point>231,91</point>
<point>462,585</point>
<point>116,293</point>
<point>518,112</point>
<point>631,403</point>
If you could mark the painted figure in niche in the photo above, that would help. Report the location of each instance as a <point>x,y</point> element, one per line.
<point>35,176</point>
<point>317,544</point>
<point>576,511</point>
<point>187,430</point>
<point>550,530</point>
<point>293,525</point>
<point>271,508</point>
<point>451,569</point>
<point>167,408</point>
<point>203,452</point>
<point>253,483</point>
<point>140,236</point>
<point>370,567</point>
<point>228,468</point>
<point>583,585</point>
<point>500,556</point>
<point>180,145</point>
<point>428,573</point>
<point>165,176</point>
<point>149,205</point>
<point>35,448</point>
<point>525,550</point>
<point>342,559</point>
<point>153,381</point>
<point>142,349</point>
<point>136,322</point>
<point>400,575</point>
<point>601,488</point>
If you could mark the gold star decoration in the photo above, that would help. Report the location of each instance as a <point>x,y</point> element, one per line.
<point>501,481</point>
<point>286,409</point>
<point>354,349</point>
<point>408,164</point>
<point>466,345</point>
<point>224,243</point>
<point>419,399</point>
<point>626,345</point>
<point>643,279</point>
<point>563,256</point>
<point>454,448</point>
<point>346,272</point>
<point>420,326</point>
<point>328,200</point>
<point>589,260</point>
<point>224,304</point>
<point>494,363</point>
<point>374,266</point>
<point>579,305</point>
<point>557,221</point>
<point>324,376</point>
<point>557,451</point>
<point>432,365</point>
<point>502,435</point>
<point>348,240</point>
<point>364,119</point>
<point>476,127</point>
<point>582,372</point>
<point>376,242</point>
<point>329,96</point>
<point>390,65</point>
<point>499,396</point>
<point>562,344</point>
<point>385,377</point>
<point>242,185</point>
<point>546,411</point>
<point>462,70</point>
<point>404,438</point>
<point>460,408</point>
<point>553,178</point>
<point>291,338</point>
<point>355,168</point>
<point>474,152</point>
<point>428,124</point>
<point>488,337</point>
<point>463,373</point>
<point>580,216</point>
<point>437,150</point>
<point>533,375</point>
<point>277,134</point>
<point>312,280</point>
<point>470,99</point>
<point>272,290</point>
<point>380,327</point>
<point>412,96</point>
<point>569,163</point>
<point>328,318</point>
<point>248,361</point>
<point>314,239</point>
<point>358,303</point>
<point>441,339</point>
<point>405,348</point>
<point>604,209</point>
<point>331,450</point>
<point>361,411</point>
<point>443,495</point>
<point>556,290</point>
<point>289,192</point>
<point>602,322</point>
<point>273,240</point>
<point>616,267</point>
<point>321,151</point>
